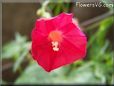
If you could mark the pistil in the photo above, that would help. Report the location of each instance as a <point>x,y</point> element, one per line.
<point>56,38</point>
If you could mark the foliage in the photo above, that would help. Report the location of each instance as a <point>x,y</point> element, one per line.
<point>16,50</point>
<point>85,74</point>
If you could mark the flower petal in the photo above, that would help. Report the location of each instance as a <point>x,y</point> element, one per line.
<point>41,26</point>
<point>68,53</point>
<point>44,25</point>
<point>38,37</point>
<point>44,55</point>
<point>71,29</point>
<point>62,20</point>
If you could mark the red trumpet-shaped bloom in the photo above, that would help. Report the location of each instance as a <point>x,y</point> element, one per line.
<point>57,41</point>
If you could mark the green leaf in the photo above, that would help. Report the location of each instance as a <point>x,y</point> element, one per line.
<point>36,75</point>
<point>103,29</point>
<point>10,50</point>
<point>19,60</point>
<point>112,81</point>
<point>101,32</point>
<point>88,73</point>
<point>14,48</point>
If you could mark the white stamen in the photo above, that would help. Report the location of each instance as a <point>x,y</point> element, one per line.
<point>55,46</point>
<point>56,49</point>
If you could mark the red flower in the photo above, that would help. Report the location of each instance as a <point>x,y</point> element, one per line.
<point>57,41</point>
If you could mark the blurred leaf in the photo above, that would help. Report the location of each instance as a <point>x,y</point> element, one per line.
<point>19,38</point>
<point>17,49</point>
<point>99,72</point>
<point>101,32</point>
<point>88,74</point>
<point>57,9</point>
<point>78,63</point>
<point>99,51</point>
<point>36,75</point>
<point>19,60</point>
<point>103,29</point>
<point>10,50</point>
<point>13,49</point>
<point>102,51</point>
<point>112,81</point>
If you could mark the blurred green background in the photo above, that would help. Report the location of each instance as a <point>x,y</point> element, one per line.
<point>18,67</point>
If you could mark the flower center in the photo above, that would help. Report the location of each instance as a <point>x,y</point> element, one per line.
<point>55,37</point>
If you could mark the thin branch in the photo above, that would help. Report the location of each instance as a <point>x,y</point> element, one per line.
<point>96,19</point>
